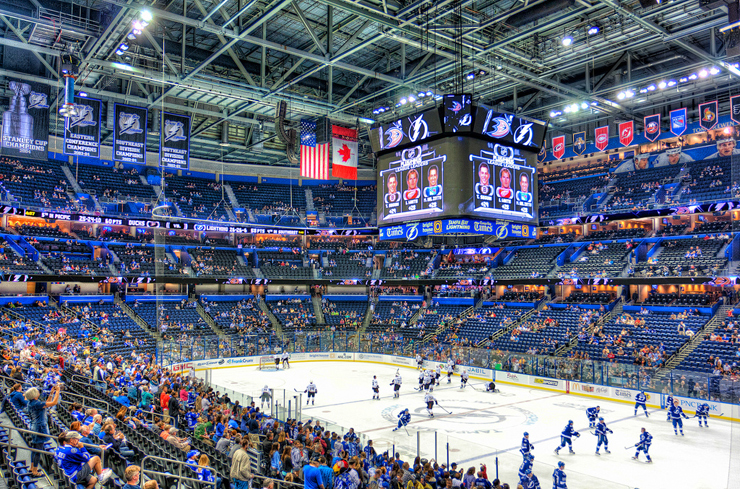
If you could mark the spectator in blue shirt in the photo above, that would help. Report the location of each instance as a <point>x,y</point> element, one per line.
<point>132,474</point>
<point>16,397</point>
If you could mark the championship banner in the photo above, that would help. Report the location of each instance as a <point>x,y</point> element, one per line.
<point>558,147</point>
<point>679,122</point>
<point>543,152</point>
<point>82,130</point>
<point>579,142</point>
<point>652,127</point>
<point>735,109</point>
<point>708,115</point>
<point>129,135</point>
<point>601,138</point>
<point>174,143</point>
<point>26,122</point>
<point>626,132</point>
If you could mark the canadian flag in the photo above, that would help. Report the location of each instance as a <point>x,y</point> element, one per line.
<point>344,153</point>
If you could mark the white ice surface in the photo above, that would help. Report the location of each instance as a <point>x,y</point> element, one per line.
<point>484,426</point>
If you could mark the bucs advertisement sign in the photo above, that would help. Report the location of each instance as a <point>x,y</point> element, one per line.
<point>652,127</point>
<point>558,147</point>
<point>601,138</point>
<point>626,132</point>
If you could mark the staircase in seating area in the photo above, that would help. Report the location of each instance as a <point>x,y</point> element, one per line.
<point>210,322</point>
<point>232,196</point>
<point>273,320</point>
<point>318,310</point>
<point>138,320</point>
<point>616,311</point>
<point>368,315</point>
<point>504,331</point>
<point>689,347</point>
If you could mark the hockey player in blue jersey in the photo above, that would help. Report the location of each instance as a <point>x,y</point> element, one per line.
<point>646,439</point>
<point>530,481</point>
<point>526,447</point>
<point>601,431</point>
<point>640,400</point>
<point>403,419</point>
<point>676,414</point>
<point>526,465</point>
<point>668,404</point>
<point>592,413</point>
<point>558,477</point>
<point>566,438</point>
<point>702,412</point>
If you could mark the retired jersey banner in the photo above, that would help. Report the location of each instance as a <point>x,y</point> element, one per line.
<point>708,115</point>
<point>735,109</point>
<point>543,152</point>
<point>174,143</point>
<point>652,127</point>
<point>82,130</point>
<point>26,121</point>
<point>601,136</point>
<point>679,123</point>
<point>129,135</point>
<point>579,142</point>
<point>626,132</point>
<point>558,147</point>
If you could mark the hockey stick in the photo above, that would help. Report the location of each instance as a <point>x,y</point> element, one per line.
<point>407,431</point>
<point>631,446</point>
<point>473,386</point>
<point>443,409</point>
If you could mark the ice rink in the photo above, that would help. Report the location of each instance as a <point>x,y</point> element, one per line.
<point>484,426</point>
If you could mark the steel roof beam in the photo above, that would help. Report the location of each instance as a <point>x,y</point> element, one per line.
<point>308,27</point>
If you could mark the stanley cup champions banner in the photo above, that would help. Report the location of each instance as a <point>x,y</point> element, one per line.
<point>26,121</point>
<point>174,143</point>
<point>129,135</point>
<point>82,130</point>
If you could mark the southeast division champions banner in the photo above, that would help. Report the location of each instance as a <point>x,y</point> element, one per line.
<point>82,131</point>
<point>26,121</point>
<point>129,135</point>
<point>174,143</point>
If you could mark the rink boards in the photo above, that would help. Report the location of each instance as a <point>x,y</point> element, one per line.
<point>655,400</point>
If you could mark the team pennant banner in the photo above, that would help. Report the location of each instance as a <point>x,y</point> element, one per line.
<point>678,121</point>
<point>82,130</point>
<point>708,115</point>
<point>579,142</point>
<point>626,132</point>
<point>558,147</point>
<point>602,138</point>
<point>543,152</point>
<point>735,109</point>
<point>652,127</point>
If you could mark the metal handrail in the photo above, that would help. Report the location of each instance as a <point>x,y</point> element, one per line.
<point>179,469</point>
<point>107,410</point>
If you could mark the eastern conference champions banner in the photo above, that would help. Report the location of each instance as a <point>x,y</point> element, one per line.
<point>129,136</point>
<point>174,144</point>
<point>82,131</point>
<point>26,122</point>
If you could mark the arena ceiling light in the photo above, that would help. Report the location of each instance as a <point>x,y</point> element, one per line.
<point>593,30</point>
<point>567,41</point>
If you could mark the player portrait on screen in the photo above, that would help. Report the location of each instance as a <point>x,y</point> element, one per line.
<point>392,196</point>
<point>433,189</point>
<point>483,186</point>
<point>672,156</point>
<point>523,195</point>
<point>504,191</point>
<point>726,145</point>
<point>412,182</point>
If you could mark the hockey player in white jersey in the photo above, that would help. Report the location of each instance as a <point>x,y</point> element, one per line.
<point>265,396</point>
<point>277,361</point>
<point>286,360</point>
<point>419,361</point>
<point>450,369</point>
<point>421,380</point>
<point>311,390</point>
<point>428,380</point>
<point>464,378</point>
<point>376,388</point>
<point>396,383</point>
<point>430,401</point>
<point>437,373</point>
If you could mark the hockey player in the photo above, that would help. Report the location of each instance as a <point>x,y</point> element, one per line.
<point>437,373</point>
<point>396,383</point>
<point>450,369</point>
<point>419,361</point>
<point>526,465</point>
<point>430,401</point>
<point>676,414</point>
<point>421,380</point>
<point>311,389</point>
<point>527,447</point>
<point>428,380</point>
<point>558,477</point>
<point>644,445</point>
<point>592,413</point>
<point>403,419</point>
<point>286,360</point>
<point>702,412</point>
<point>640,399</point>
<point>668,404</point>
<point>376,388</point>
<point>566,438</point>
<point>277,361</point>
<point>491,387</point>
<point>464,378</point>
<point>265,397</point>
<point>601,431</point>
<point>530,481</point>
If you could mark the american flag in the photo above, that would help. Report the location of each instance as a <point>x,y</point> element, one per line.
<point>314,157</point>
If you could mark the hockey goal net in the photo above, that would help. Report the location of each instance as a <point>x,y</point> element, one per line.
<point>267,362</point>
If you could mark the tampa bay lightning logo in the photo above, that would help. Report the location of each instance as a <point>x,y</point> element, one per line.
<point>129,124</point>
<point>174,131</point>
<point>418,129</point>
<point>393,135</point>
<point>524,134</point>
<point>501,126</point>
<point>466,120</point>
<point>412,232</point>
<point>38,101</point>
<point>83,117</point>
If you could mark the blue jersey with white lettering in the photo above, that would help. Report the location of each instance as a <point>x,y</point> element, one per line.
<point>532,483</point>
<point>569,431</point>
<point>523,469</point>
<point>70,459</point>
<point>646,439</point>
<point>640,398</point>
<point>526,446</point>
<point>702,410</point>
<point>601,429</point>
<point>558,479</point>
<point>592,413</point>
<point>676,412</point>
